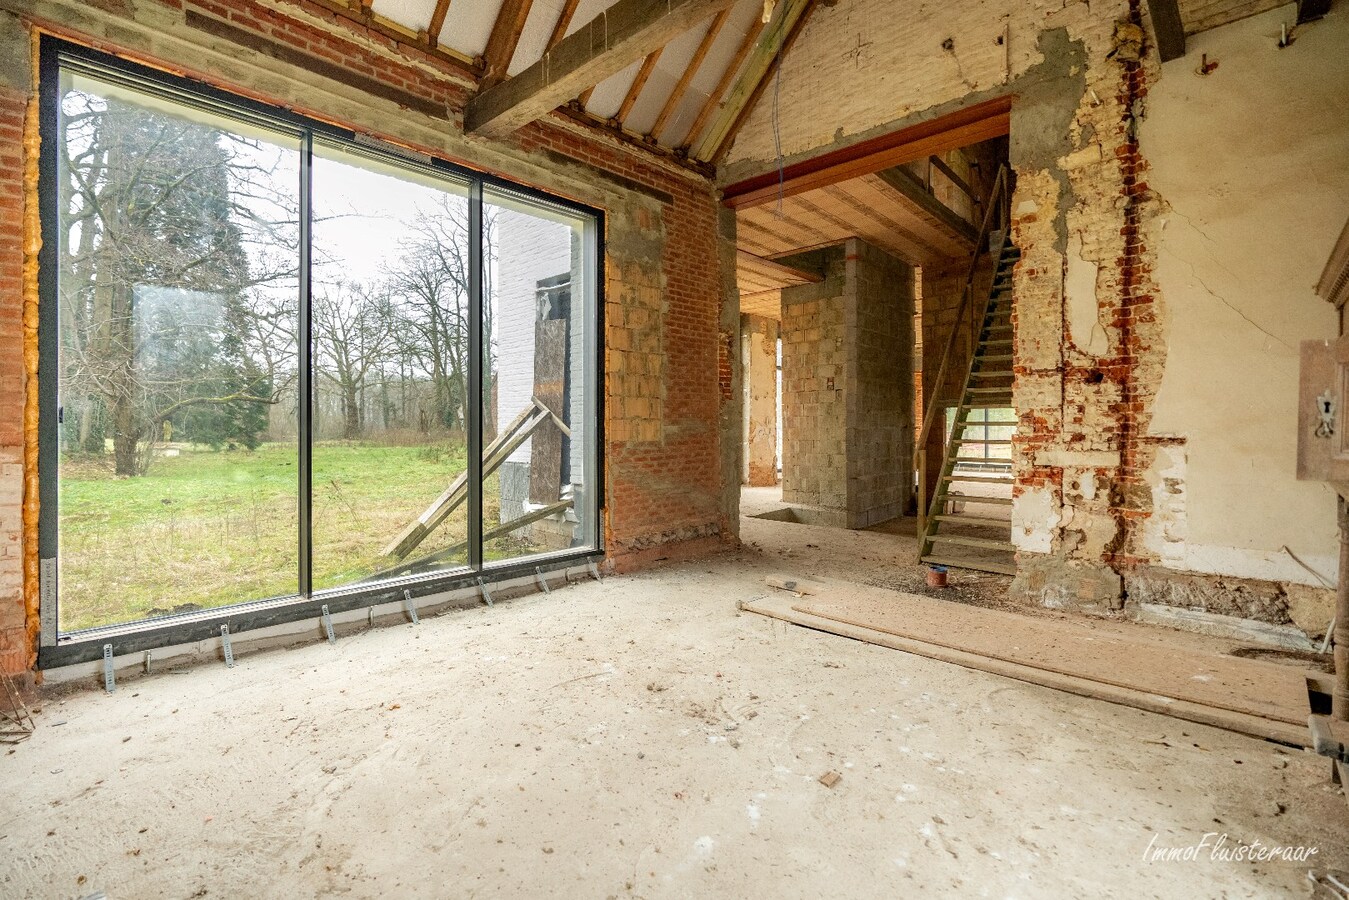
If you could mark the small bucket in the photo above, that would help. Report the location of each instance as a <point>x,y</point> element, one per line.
<point>936,576</point>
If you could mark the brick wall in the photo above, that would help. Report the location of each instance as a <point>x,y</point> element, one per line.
<point>15,627</point>
<point>671,424</point>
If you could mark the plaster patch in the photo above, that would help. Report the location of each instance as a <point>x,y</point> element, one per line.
<point>1084,321</point>
<point>1035,518</point>
<point>1164,532</point>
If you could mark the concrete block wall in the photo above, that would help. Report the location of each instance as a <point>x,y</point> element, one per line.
<point>671,391</point>
<point>880,385</point>
<point>814,412</point>
<point>847,387</point>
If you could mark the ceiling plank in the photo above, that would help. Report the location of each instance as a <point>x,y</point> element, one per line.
<point>635,89</point>
<point>563,20</point>
<point>762,62</point>
<point>1170,32</point>
<point>714,98</point>
<point>962,128</point>
<point>510,22</point>
<point>682,85</point>
<point>437,22</point>
<point>622,34</point>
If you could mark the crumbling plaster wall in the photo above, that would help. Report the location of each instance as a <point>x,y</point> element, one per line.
<point>1124,290</point>
<point>1253,162</point>
<point>671,317</point>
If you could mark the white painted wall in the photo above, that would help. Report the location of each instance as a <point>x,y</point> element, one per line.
<point>1253,161</point>
<point>529,249</point>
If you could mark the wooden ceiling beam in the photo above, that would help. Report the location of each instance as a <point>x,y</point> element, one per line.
<point>972,125</point>
<point>505,37</point>
<point>622,34</point>
<point>677,94</point>
<point>777,37</point>
<point>714,98</point>
<point>1168,28</point>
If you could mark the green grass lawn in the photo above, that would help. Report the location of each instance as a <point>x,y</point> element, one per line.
<point>214,528</point>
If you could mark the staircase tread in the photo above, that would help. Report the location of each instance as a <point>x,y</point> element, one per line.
<point>985,543</point>
<point>974,521</point>
<point>975,564</point>
<point>970,498</point>
<point>977,479</point>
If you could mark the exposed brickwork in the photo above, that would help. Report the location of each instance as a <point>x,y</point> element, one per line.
<point>666,391</point>
<point>15,644</point>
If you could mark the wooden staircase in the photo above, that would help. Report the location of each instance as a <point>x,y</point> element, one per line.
<point>965,528</point>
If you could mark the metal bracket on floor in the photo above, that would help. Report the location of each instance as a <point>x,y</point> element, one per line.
<point>543,582</point>
<point>595,571</point>
<point>328,625</point>
<point>486,594</point>
<point>109,676</point>
<point>411,606</point>
<point>229,651</point>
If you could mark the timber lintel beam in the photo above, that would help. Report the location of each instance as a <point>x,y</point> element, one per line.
<point>624,33</point>
<point>1168,27</point>
<point>971,125</point>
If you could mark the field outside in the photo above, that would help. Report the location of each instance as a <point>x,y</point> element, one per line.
<point>211,528</point>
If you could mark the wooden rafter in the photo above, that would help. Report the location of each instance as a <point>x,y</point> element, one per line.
<point>635,89</point>
<point>762,63</point>
<point>563,22</point>
<point>627,31</point>
<point>677,94</point>
<point>714,98</point>
<point>510,22</point>
<point>437,22</point>
<point>360,13</point>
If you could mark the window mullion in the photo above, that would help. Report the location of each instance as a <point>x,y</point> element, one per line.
<point>475,361</point>
<point>305,368</point>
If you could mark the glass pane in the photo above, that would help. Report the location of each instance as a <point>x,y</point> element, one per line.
<point>390,338</point>
<point>536,323</point>
<point>178,486</point>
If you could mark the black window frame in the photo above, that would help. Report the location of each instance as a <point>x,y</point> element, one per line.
<point>57,649</point>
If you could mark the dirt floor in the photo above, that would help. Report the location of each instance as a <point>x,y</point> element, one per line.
<point>643,738</point>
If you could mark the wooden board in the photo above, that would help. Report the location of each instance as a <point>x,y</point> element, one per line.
<point>550,388</point>
<point>1252,697</point>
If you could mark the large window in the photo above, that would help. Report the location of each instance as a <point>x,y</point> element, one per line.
<point>279,364</point>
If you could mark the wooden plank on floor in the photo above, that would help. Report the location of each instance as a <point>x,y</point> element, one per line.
<point>1105,681</point>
